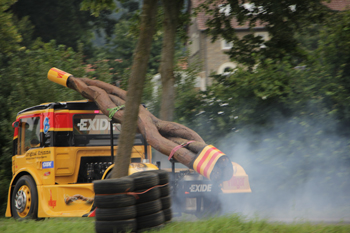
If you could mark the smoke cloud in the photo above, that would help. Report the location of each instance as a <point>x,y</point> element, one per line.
<point>298,171</point>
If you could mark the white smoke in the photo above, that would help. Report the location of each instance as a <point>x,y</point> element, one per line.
<point>301,185</point>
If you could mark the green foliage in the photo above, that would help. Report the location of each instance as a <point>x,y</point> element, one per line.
<point>28,72</point>
<point>62,21</point>
<point>280,18</point>
<point>96,6</point>
<point>10,37</point>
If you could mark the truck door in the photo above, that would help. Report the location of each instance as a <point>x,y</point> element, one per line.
<point>29,134</point>
<point>29,139</point>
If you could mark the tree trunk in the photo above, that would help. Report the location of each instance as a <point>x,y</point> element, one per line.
<point>170,138</point>
<point>135,87</point>
<point>171,18</point>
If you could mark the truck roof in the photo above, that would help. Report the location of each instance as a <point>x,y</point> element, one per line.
<point>70,105</point>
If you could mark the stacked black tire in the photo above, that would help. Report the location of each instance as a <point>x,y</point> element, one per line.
<point>134,203</point>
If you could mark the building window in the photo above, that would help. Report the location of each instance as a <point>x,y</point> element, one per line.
<point>225,45</point>
<point>265,37</point>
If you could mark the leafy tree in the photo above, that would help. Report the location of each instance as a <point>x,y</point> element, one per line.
<point>9,45</point>
<point>172,10</point>
<point>334,54</point>
<point>64,22</point>
<point>280,18</point>
<point>10,37</point>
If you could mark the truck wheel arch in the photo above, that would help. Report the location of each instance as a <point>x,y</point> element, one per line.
<point>13,184</point>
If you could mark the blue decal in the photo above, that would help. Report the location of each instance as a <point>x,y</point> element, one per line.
<point>47,164</point>
<point>46,125</point>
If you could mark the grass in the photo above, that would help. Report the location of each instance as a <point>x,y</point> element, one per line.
<point>226,224</point>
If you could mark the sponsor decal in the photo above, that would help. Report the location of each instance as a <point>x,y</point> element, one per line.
<point>46,124</point>
<point>236,182</point>
<point>37,154</point>
<point>69,200</point>
<point>95,124</point>
<point>200,188</point>
<point>47,173</point>
<point>52,203</point>
<point>47,164</point>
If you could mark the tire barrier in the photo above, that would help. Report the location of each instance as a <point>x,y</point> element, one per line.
<point>135,203</point>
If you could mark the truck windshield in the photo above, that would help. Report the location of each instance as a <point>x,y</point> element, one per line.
<point>94,130</point>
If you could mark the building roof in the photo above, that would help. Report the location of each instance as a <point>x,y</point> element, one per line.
<point>337,5</point>
<point>202,18</point>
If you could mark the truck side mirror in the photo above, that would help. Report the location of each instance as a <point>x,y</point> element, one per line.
<point>15,124</point>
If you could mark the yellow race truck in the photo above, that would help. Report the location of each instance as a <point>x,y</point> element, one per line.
<point>60,148</point>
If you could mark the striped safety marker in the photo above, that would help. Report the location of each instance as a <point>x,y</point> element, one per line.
<point>206,160</point>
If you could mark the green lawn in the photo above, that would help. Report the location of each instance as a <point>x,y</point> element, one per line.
<point>232,223</point>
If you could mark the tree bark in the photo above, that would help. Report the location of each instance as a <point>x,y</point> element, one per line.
<point>162,135</point>
<point>171,18</point>
<point>135,88</point>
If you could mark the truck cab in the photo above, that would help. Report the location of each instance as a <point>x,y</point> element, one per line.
<point>58,150</point>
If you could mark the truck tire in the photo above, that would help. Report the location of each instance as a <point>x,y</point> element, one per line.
<point>166,202</point>
<point>144,180</point>
<point>164,190</point>
<point>114,200</point>
<point>163,176</point>
<point>147,208</point>
<point>150,195</point>
<point>24,200</point>
<point>114,186</point>
<point>113,214</point>
<point>168,214</point>
<point>151,220</point>
<point>115,226</point>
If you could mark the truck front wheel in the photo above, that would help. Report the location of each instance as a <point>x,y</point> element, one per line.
<point>24,201</point>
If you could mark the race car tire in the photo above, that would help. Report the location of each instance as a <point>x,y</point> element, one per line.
<point>150,220</point>
<point>114,200</point>
<point>147,208</point>
<point>114,185</point>
<point>168,214</point>
<point>24,200</point>
<point>112,214</point>
<point>166,202</point>
<point>150,195</point>
<point>115,226</point>
<point>144,180</point>
<point>164,190</point>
